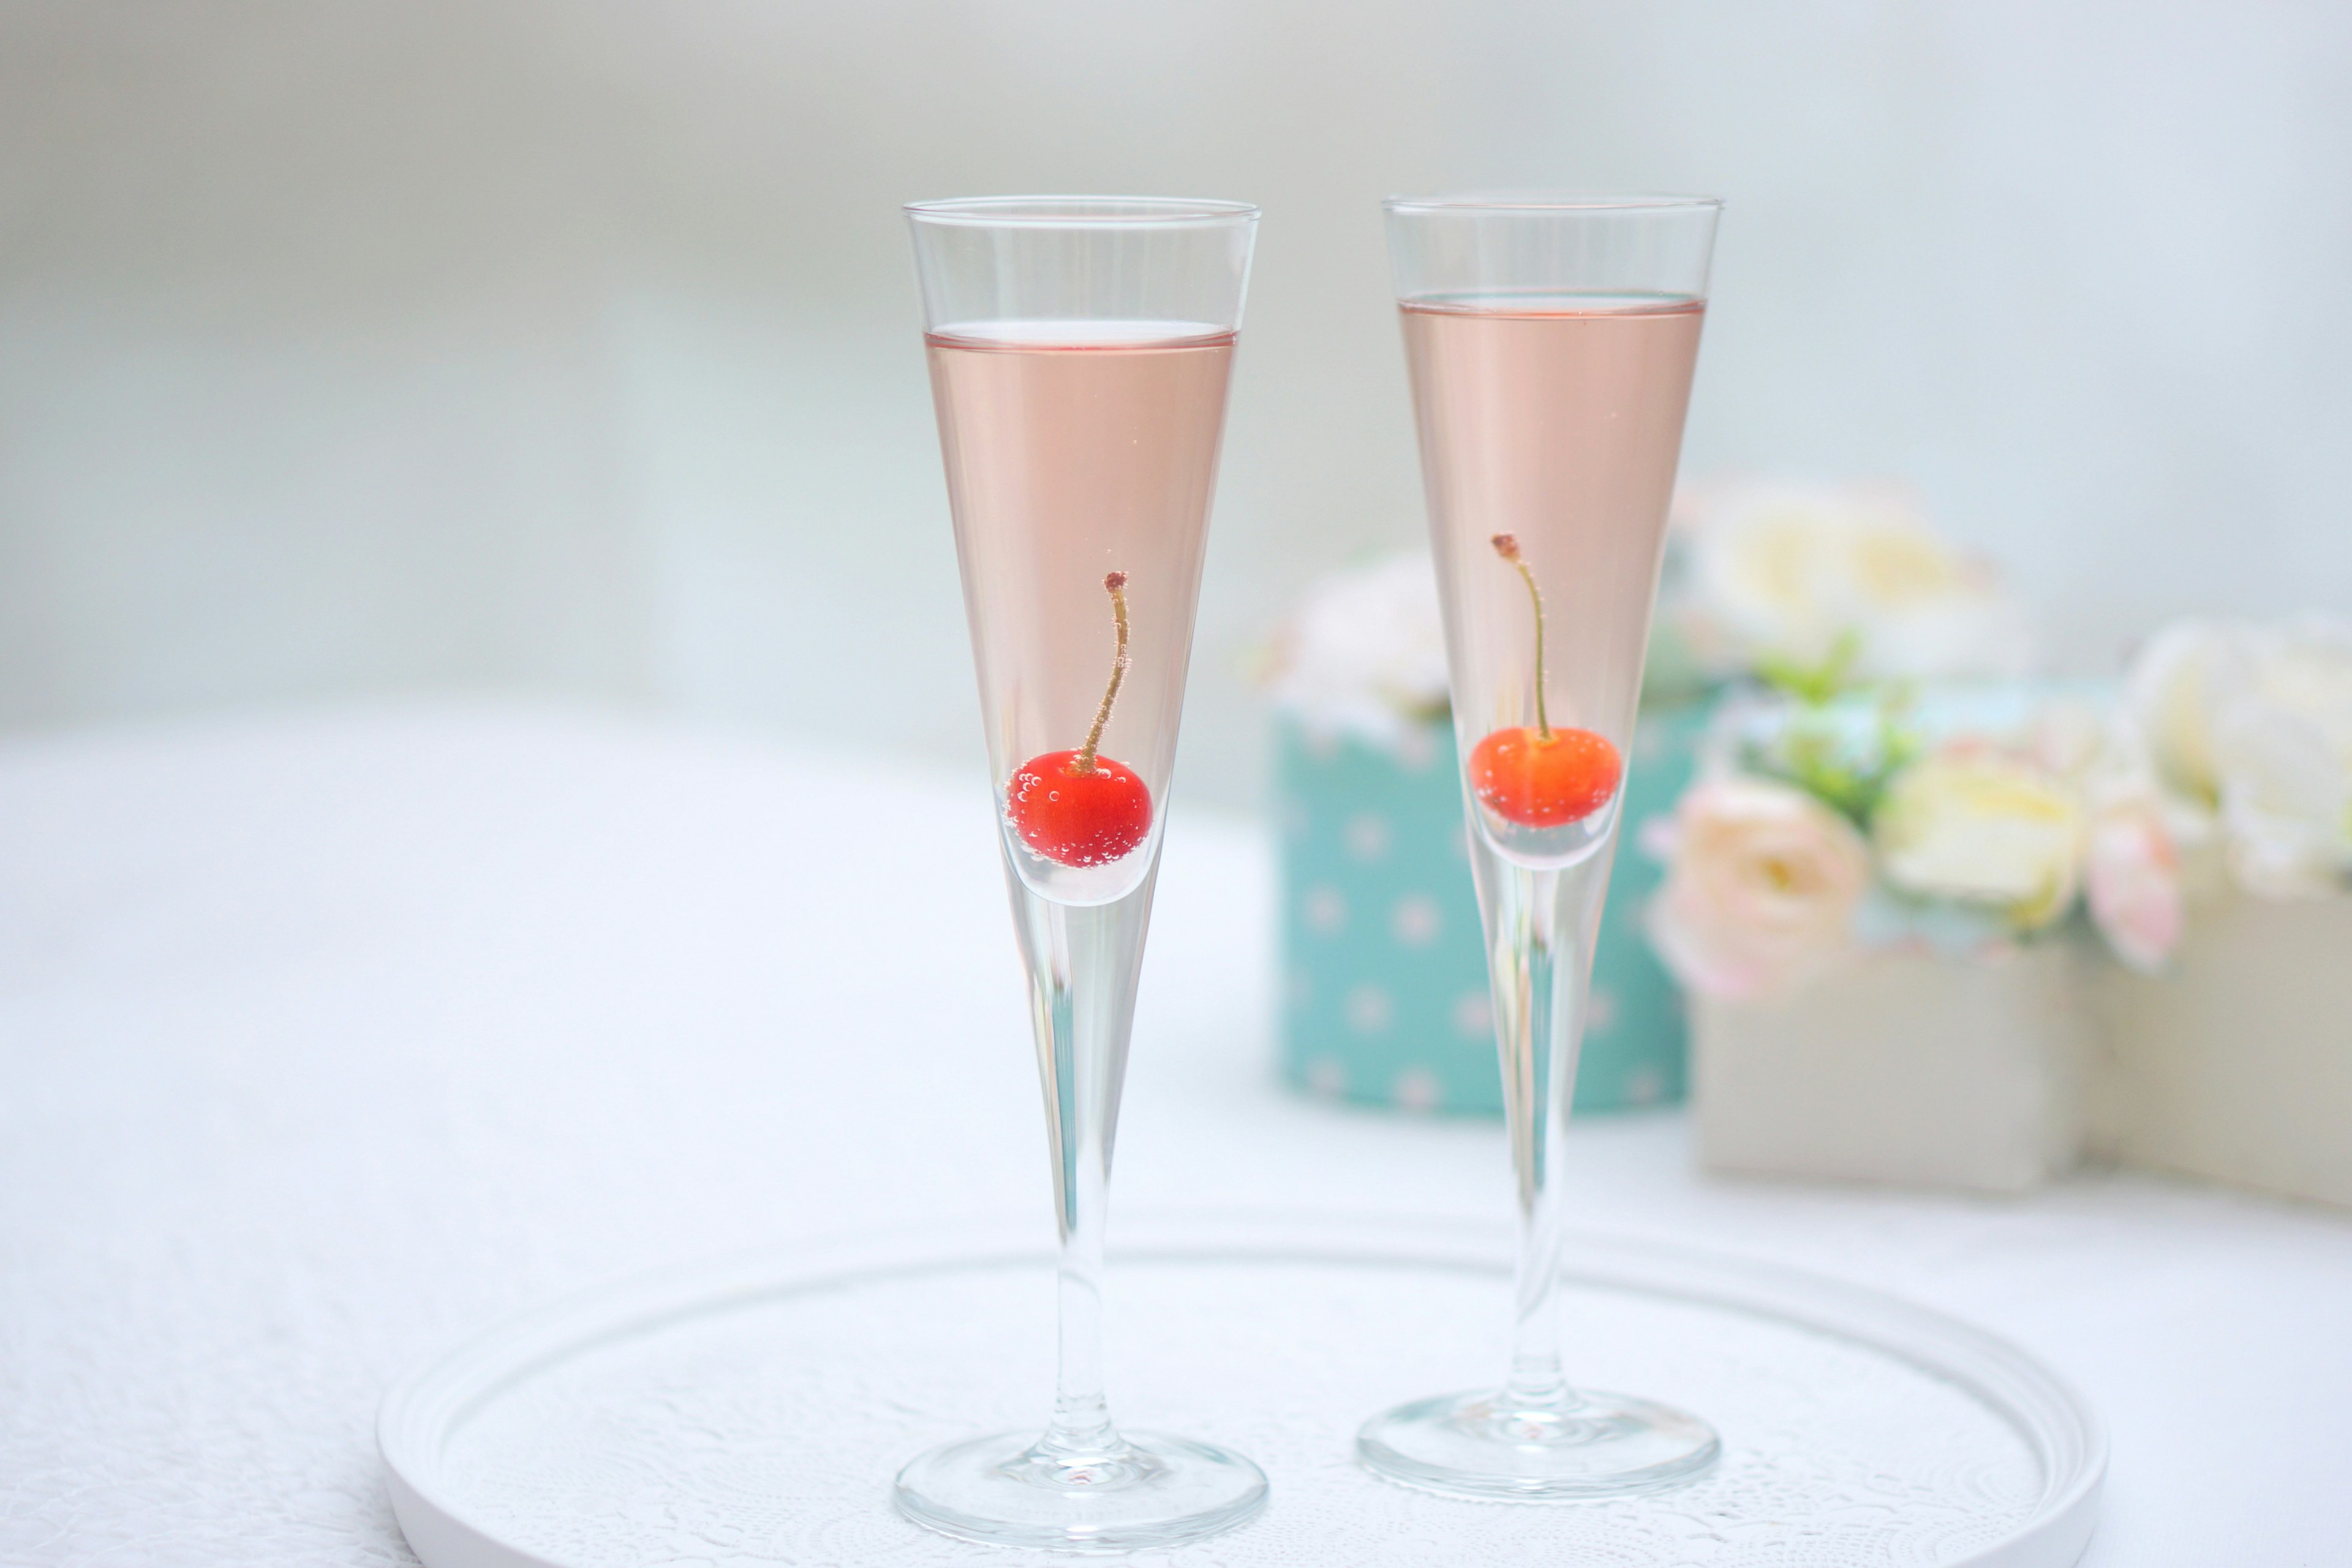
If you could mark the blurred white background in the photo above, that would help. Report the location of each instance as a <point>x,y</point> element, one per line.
<point>571,345</point>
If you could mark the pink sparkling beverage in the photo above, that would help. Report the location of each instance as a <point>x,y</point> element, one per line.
<point>1551,338</point>
<point>1080,350</point>
<point>1075,450</point>
<point>1557,420</point>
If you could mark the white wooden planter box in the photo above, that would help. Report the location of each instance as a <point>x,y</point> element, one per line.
<point>1964,1074</point>
<point>2237,1068</point>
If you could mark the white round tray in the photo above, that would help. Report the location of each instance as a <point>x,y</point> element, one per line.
<point>754,1411</point>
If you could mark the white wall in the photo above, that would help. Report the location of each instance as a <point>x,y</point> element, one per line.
<point>571,343</point>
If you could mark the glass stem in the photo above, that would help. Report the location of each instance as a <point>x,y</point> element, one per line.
<point>1541,927</point>
<point>1083,961</point>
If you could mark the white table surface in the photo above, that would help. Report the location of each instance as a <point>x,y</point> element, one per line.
<point>327,1040</point>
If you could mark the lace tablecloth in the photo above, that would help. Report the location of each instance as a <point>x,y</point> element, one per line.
<point>326,1041</point>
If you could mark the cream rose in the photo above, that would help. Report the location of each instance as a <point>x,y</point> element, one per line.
<point>1366,653</point>
<point>1786,572</point>
<point>1760,890</point>
<point>2254,723</point>
<point>2168,696</point>
<point>1986,828</point>
<point>2282,735</point>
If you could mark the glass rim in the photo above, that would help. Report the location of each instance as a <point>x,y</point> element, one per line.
<point>1542,201</point>
<point>1081,212</point>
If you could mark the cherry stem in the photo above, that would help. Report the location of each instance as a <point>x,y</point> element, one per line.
<point>1116,584</point>
<point>1507,545</point>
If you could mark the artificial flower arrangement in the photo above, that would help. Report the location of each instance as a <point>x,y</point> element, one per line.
<point>1937,923</point>
<point>1826,815</point>
<point>1880,890</point>
<point>1956,823</point>
<point>2237,1063</point>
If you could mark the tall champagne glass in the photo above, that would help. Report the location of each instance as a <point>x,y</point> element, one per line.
<point>1551,341</point>
<point>1079,354</point>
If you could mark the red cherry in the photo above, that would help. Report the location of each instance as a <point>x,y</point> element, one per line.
<point>1524,777</point>
<point>1076,818</point>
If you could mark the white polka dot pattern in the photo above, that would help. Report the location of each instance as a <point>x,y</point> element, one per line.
<point>1378,893</point>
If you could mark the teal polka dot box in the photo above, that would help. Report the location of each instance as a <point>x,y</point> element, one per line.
<point>1385,995</point>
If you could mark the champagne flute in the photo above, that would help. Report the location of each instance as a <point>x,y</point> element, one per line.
<point>1080,349</point>
<point>1551,340</point>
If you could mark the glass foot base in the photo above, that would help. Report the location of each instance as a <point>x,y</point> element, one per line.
<point>1478,1446</point>
<point>1151,1490</point>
